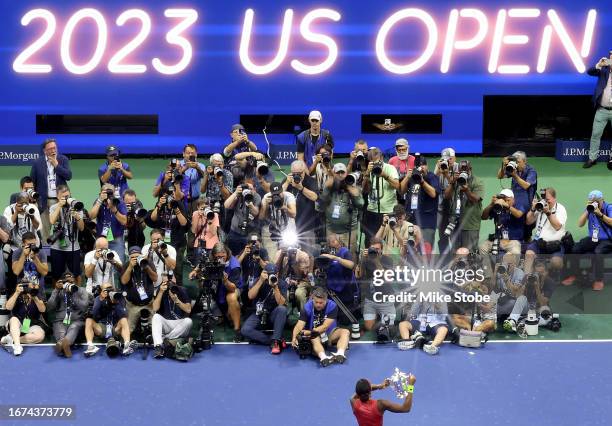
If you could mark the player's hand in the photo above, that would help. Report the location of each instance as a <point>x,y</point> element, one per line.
<point>411,379</point>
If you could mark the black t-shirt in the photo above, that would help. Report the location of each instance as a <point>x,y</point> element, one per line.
<point>169,310</point>
<point>367,286</point>
<point>305,208</point>
<point>139,283</point>
<point>22,310</point>
<point>251,269</point>
<point>166,219</point>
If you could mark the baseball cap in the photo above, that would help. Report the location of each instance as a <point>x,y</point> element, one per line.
<point>134,249</point>
<point>447,153</point>
<point>595,194</point>
<point>276,188</point>
<point>112,150</point>
<point>507,192</point>
<point>237,127</point>
<point>270,268</point>
<point>401,142</point>
<point>67,275</point>
<point>339,167</point>
<point>315,115</point>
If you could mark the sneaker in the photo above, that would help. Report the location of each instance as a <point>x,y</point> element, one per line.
<point>130,348</point>
<point>17,350</point>
<point>7,343</point>
<point>275,348</point>
<point>91,350</point>
<point>569,280</point>
<point>238,338</point>
<point>509,325</point>
<point>338,358</point>
<point>404,345</point>
<point>431,349</point>
<point>158,352</point>
<point>598,285</point>
<point>589,164</point>
<point>327,361</point>
<point>283,344</point>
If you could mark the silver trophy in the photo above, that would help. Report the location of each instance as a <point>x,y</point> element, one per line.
<point>399,383</point>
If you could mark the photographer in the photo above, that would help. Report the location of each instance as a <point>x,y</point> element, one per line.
<point>445,168</point>
<point>108,318</point>
<point>115,172</point>
<point>464,193</point>
<point>339,273</point>
<point>110,213</point>
<point>30,263</point>
<point>26,184</point>
<point>136,214</point>
<point>424,319</point>
<point>371,260</point>
<point>602,103</point>
<point>549,217</point>
<point>217,183</point>
<point>269,294</point>
<point>318,322</point>
<point>101,265</point>
<point>394,232</point>
<point>193,172</point>
<point>252,259</point>
<point>26,324</point>
<point>245,203</point>
<point>69,302</point>
<point>169,216</point>
<point>22,217</point>
<point>304,190</point>
<point>240,143</point>
<point>228,294</point>
<point>598,215</point>
<point>137,281</point>
<point>510,285</point>
<point>172,182</point>
<point>205,226</point>
<point>66,217</point>
<point>342,202</point>
<point>380,182</point>
<point>172,307</point>
<point>402,160</point>
<point>509,224</point>
<point>159,254</point>
<point>422,195</point>
<point>358,158</point>
<point>279,209</point>
<point>310,140</point>
<point>322,166</point>
<point>295,267</point>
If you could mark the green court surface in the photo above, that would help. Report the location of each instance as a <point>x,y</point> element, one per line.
<point>569,179</point>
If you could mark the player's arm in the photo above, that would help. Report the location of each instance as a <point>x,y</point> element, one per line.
<point>384,405</point>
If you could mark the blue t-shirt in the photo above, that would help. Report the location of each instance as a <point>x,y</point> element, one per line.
<point>117,179</point>
<point>31,273</point>
<point>523,198</point>
<point>193,179</point>
<point>184,186</point>
<point>514,226</point>
<point>106,219</point>
<point>233,270</point>
<point>310,145</point>
<point>314,318</point>
<point>426,213</point>
<point>338,277</point>
<point>599,224</point>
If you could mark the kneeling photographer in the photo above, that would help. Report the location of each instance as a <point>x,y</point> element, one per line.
<point>108,319</point>
<point>30,263</point>
<point>317,324</point>
<point>269,293</point>
<point>172,307</point>
<point>137,281</point>
<point>69,304</point>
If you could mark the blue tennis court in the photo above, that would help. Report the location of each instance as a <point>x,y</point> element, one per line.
<point>513,383</point>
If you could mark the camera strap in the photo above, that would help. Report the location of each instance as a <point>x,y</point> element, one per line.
<point>604,226</point>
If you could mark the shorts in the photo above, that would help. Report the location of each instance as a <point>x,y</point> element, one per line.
<point>533,246</point>
<point>373,309</point>
<point>429,330</point>
<point>218,310</point>
<point>33,328</point>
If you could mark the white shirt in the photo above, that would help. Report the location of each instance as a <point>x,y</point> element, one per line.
<point>160,266</point>
<point>104,271</point>
<point>547,232</point>
<point>51,185</point>
<point>23,225</point>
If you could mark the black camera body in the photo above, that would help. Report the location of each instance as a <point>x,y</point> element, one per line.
<point>304,345</point>
<point>377,168</point>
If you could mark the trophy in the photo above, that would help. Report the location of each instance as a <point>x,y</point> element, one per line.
<point>399,383</point>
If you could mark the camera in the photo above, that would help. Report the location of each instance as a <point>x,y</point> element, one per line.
<point>383,333</point>
<point>107,255</point>
<point>174,163</point>
<point>32,194</point>
<point>372,252</point>
<point>145,327</point>
<point>58,234</point>
<point>592,206</point>
<point>392,222</point>
<point>247,194</point>
<point>116,296</point>
<point>541,203</point>
<point>462,179</point>
<point>74,204</point>
<point>142,261</point>
<point>218,172</point>
<point>450,228</point>
<point>502,269</point>
<point>411,241</point>
<point>498,206</point>
<point>512,165</point>
<point>25,287</point>
<point>277,201</point>
<point>262,168</point>
<point>70,287</point>
<point>210,215</point>
<point>132,208</point>
<point>304,345</point>
<point>33,248</point>
<point>443,164</point>
<point>352,178</point>
<point>377,168</point>
<point>29,209</point>
<point>326,157</point>
<point>297,177</point>
<point>192,158</point>
<point>273,279</point>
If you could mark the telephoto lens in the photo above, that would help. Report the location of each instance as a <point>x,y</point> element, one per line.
<point>113,348</point>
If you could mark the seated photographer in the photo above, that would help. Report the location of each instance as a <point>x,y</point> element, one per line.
<point>136,214</point>
<point>172,307</point>
<point>252,260</point>
<point>373,259</point>
<point>598,215</point>
<point>422,195</point>
<point>549,218</point>
<point>310,140</point>
<point>137,280</point>
<point>339,270</point>
<point>169,216</point>
<point>66,217</point>
<point>205,226</point>
<point>245,202</point>
<point>101,264</point>
<point>446,167</point>
<point>380,182</point>
<point>30,263</point>
<point>227,298</point>
<point>278,208</point>
<point>269,294</point>
<point>295,266</point>
<point>464,193</point>
<point>304,190</point>
<point>240,143</point>
<point>26,324</point>
<point>22,217</point>
<point>110,214</point>
<point>159,254</point>
<point>26,184</point>
<point>115,172</point>
<point>509,283</point>
<point>172,182</point>
<point>318,322</point>
<point>342,203</point>
<point>394,232</point>
<point>424,319</point>
<point>358,158</point>
<point>509,223</point>
<point>108,319</point>
<point>69,304</point>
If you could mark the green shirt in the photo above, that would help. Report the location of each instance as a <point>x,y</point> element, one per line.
<point>336,205</point>
<point>471,212</point>
<point>387,196</point>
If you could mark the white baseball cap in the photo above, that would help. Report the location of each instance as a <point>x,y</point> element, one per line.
<point>507,192</point>
<point>315,115</point>
<point>339,167</point>
<point>447,153</point>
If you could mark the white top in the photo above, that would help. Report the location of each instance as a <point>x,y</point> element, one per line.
<point>51,185</point>
<point>104,272</point>
<point>23,225</point>
<point>160,266</point>
<point>548,233</point>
